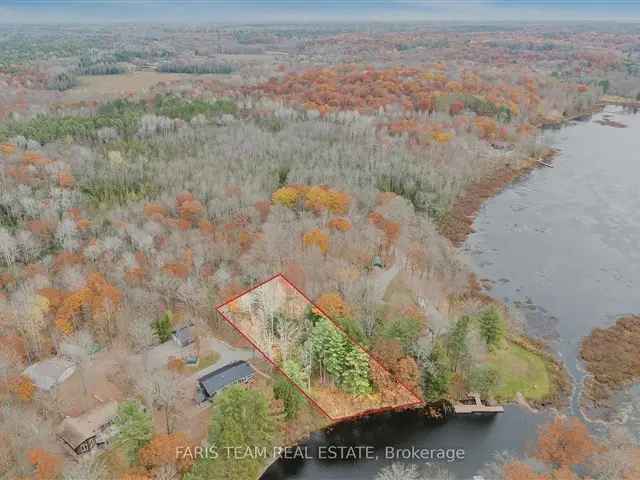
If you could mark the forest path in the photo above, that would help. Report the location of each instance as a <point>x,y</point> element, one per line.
<point>383,278</point>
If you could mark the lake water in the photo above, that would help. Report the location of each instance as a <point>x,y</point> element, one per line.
<point>562,245</point>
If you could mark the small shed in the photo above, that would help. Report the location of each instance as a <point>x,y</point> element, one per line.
<point>214,382</point>
<point>183,336</point>
<point>90,429</point>
<point>51,372</point>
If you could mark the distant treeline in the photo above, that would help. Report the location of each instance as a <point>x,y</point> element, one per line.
<point>243,50</point>
<point>66,79</point>
<point>95,64</point>
<point>62,81</point>
<point>197,68</point>
<point>102,69</point>
<point>122,115</point>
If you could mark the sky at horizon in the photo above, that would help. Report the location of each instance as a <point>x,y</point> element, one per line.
<point>293,11</point>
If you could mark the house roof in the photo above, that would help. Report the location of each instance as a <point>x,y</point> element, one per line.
<point>49,373</point>
<point>184,335</point>
<point>75,430</point>
<point>220,378</point>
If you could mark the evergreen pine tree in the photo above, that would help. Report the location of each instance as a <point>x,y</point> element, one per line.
<point>163,327</point>
<point>437,373</point>
<point>355,377</point>
<point>492,327</point>
<point>241,420</point>
<point>135,428</point>
<point>285,390</point>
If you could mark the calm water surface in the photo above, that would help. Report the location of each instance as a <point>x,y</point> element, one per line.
<point>563,246</point>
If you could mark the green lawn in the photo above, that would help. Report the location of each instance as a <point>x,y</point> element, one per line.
<point>205,361</point>
<point>520,370</point>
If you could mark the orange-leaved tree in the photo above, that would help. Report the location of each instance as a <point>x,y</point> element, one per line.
<point>564,442</point>
<point>521,471</point>
<point>22,387</point>
<point>98,296</point>
<point>338,202</point>
<point>383,381</point>
<point>340,224</point>
<point>7,148</point>
<point>154,210</point>
<point>163,451</point>
<point>564,473</point>
<point>442,137</point>
<point>316,198</point>
<point>190,209</point>
<point>333,305</point>
<point>46,465</point>
<point>66,180</point>
<point>408,374</point>
<point>317,238</point>
<point>135,476</point>
<point>287,196</point>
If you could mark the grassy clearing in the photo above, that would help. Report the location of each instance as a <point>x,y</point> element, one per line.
<point>520,370</point>
<point>205,361</point>
<point>94,86</point>
<point>398,293</point>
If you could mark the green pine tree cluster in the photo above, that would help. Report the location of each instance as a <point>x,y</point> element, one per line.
<point>492,327</point>
<point>437,373</point>
<point>337,357</point>
<point>135,429</point>
<point>163,327</point>
<point>286,391</point>
<point>241,422</point>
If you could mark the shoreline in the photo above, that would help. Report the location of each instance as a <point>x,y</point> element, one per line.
<point>603,351</point>
<point>560,393</point>
<point>457,224</point>
<point>572,118</point>
<point>619,101</point>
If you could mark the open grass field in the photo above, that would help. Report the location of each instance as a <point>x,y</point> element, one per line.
<point>117,85</point>
<point>520,371</point>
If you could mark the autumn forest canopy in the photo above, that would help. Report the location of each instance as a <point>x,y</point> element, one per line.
<point>149,175</point>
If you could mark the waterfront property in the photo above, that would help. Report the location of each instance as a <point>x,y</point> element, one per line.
<point>92,429</point>
<point>214,382</point>
<point>473,404</point>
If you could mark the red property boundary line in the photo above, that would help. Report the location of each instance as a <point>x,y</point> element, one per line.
<point>371,411</point>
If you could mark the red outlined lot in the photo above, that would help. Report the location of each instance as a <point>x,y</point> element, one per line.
<point>253,315</point>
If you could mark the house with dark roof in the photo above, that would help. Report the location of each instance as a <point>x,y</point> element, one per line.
<point>214,382</point>
<point>89,430</point>
<point>183,336</point>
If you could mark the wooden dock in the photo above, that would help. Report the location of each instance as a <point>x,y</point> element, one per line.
<point>472,404</point>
